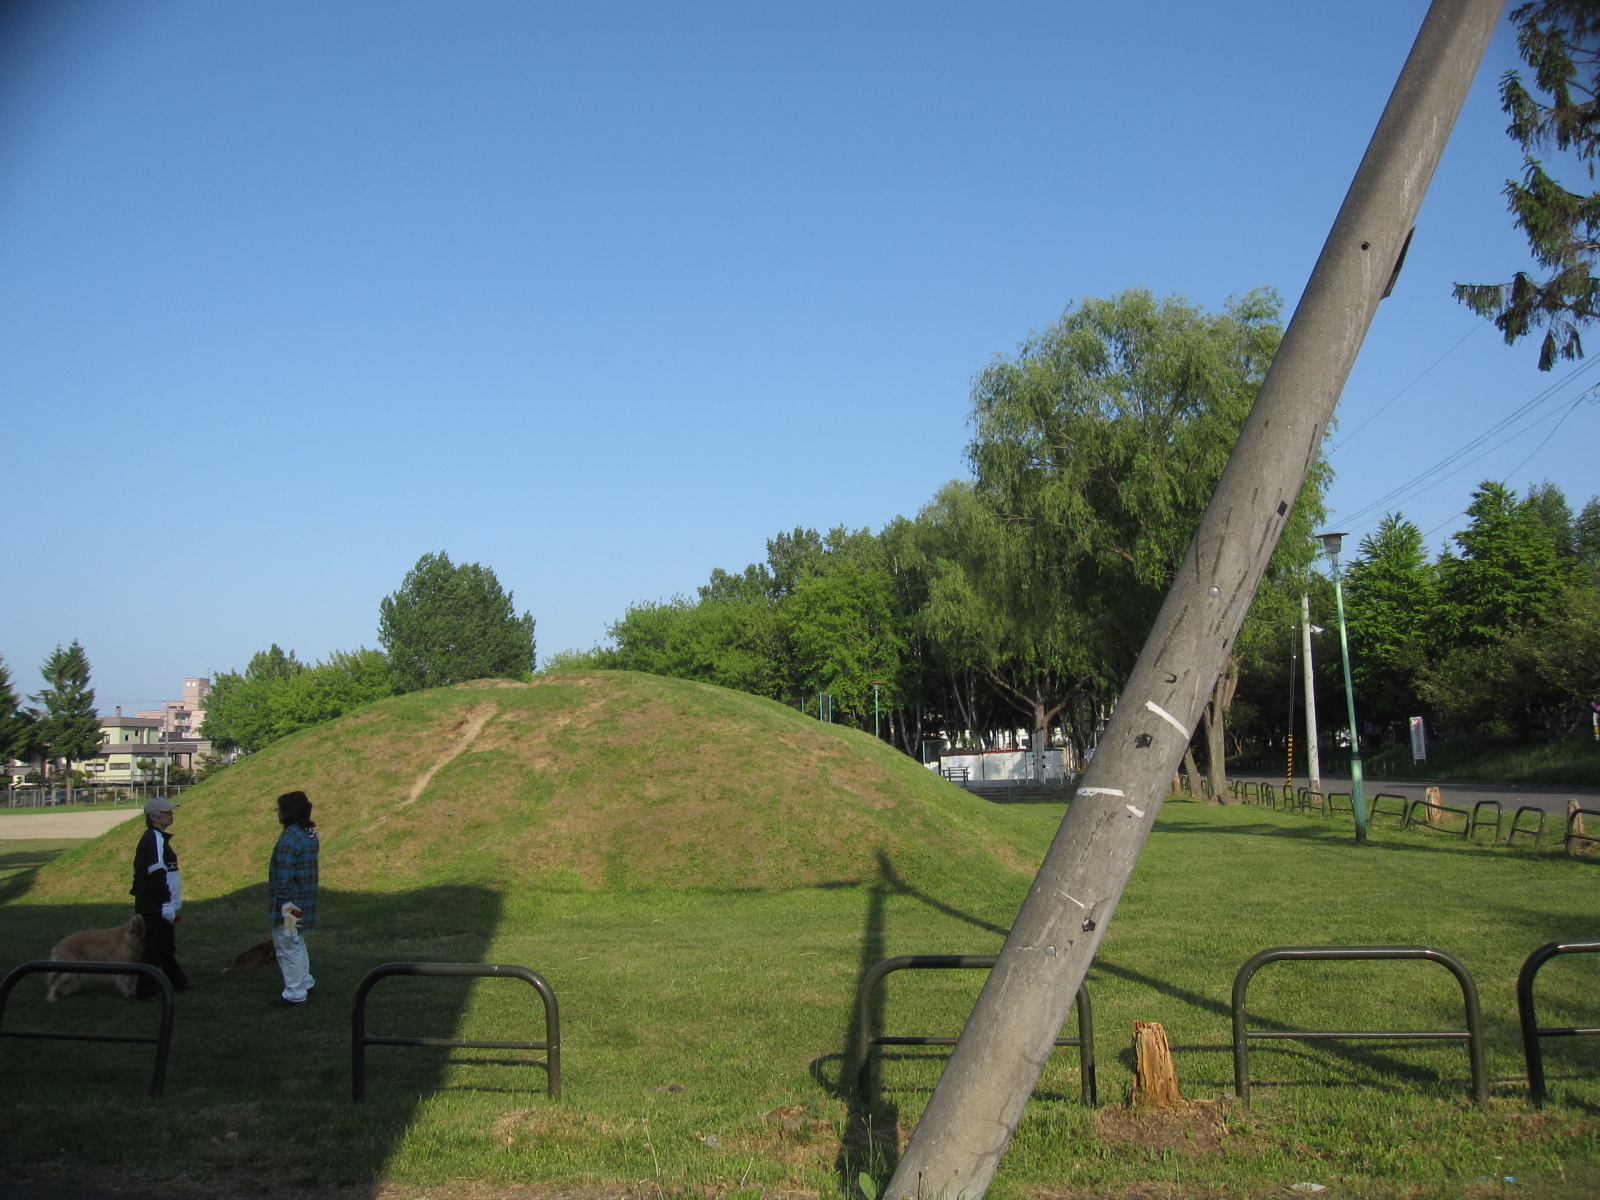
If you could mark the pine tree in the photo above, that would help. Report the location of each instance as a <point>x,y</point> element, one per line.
<point>16,725</point>
<point>68,728</point>
<point>1586,534</point>
<point>1390,590</point>
<point>1508,573</point>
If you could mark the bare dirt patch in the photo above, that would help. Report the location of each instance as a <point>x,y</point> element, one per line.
<point>1194,1127</point>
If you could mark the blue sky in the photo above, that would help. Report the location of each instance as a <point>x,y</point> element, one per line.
<point>604,295</point>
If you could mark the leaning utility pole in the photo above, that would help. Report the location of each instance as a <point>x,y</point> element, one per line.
<point>992,1071</point>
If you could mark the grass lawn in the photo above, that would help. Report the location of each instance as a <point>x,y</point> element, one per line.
<point>19,856</point>
<point>690,1016</point>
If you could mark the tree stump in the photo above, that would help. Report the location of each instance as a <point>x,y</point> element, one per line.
<point>1575,823</point>
<point>1155,1083</point>
<point>1435,813</point>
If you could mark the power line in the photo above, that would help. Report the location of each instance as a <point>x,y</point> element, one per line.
<point>1385,405</point>
<point>1428,478</point>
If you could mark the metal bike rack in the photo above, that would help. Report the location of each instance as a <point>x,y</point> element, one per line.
<point>1472,1035</point>
<point>1331,806</point>
<point>1531,1032</point>
<point>1473,820</point>
<point>359,1041</point>
<point>1572,818</point>
<point>947,962</point>
<point>1537,831</point>
<point>1304,803</point>
<point>1377,810</point>
<point>161,1040</point>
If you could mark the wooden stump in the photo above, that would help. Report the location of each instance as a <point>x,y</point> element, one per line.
<point>1435,807</point>
<point>1575,825</point>
<point>1155,1083</point>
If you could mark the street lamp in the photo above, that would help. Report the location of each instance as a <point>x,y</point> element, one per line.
<point>876,686</point>
<point>1358,796</point>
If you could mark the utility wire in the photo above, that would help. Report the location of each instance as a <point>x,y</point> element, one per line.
<point>1428,478</point>
<point>1382,408</point>
<point>1591,394</point>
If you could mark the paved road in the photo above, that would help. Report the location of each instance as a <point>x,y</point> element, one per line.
<point>1511,796</point>
<point>46,824</point>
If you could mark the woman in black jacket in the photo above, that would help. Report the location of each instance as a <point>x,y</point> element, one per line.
<point>157,897</point>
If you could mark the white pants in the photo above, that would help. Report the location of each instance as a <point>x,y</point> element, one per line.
<point>294,962</point>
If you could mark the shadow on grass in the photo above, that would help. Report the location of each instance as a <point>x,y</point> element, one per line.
<point>1390,1071</point>
<point>252,1092</point>
<point>19,866</point>
<point>871,1140</point>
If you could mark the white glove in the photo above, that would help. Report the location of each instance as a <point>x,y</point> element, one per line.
<point>167,912</point>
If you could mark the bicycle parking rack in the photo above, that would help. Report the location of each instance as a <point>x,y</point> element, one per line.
<point>359,1041</point>
<point>1377,810</point>
<point>1537,831</point>
<point>1472,1035</point>
<point>1331,806</point>
<point>161,1040</point>
<point>1303,802</point>
<point>1473,820</point>
<point>943,962</point>
<point>1572,817</point>
<point>1532,1051</point>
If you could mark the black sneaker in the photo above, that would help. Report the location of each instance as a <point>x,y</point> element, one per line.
<point>280,1002</point>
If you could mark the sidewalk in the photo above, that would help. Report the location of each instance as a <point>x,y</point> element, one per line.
<point>37,823</point>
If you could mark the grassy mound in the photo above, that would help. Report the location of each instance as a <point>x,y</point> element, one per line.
<point>580,781</point>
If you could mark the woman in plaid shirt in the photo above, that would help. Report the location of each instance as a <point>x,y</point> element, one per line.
<point>292,897</point>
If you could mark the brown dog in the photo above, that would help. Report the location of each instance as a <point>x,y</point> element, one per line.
<point>125,943</point>
<point>257,956</point>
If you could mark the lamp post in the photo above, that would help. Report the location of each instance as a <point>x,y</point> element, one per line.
<point>1358,796</point>
<point>877,685</point>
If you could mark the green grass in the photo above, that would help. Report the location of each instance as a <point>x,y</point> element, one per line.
<point>21,856</point>
<point>689,1013</point>
<point>1551,763</point>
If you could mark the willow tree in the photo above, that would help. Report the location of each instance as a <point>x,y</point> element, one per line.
<point>1097,448</point>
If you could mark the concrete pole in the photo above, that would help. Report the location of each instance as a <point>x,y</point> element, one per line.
<point>993,1068</point>
<point>1313,758</point>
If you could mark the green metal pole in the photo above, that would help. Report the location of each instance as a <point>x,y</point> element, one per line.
<point>875,730</point>
<point>1358,794</point>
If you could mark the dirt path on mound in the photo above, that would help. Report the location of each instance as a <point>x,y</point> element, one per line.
<point>476,720</point>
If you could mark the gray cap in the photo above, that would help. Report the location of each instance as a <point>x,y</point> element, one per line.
<point>152,807</point>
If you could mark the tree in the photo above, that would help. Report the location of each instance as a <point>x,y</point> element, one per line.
<point>1586,534</point>
<point>69,727</point>
<point>1560,41</point>
<point>1390,593</point>
<point>1508,572</point>
<point>341,683</point>
<point>277,694</point>
<point>16,725</point>
<point>1532,681</point>
<point>1097,449</point>
<point>448,624</point>
<point>239,708</point>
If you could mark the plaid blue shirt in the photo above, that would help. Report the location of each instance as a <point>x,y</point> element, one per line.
<point>292,878</point>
